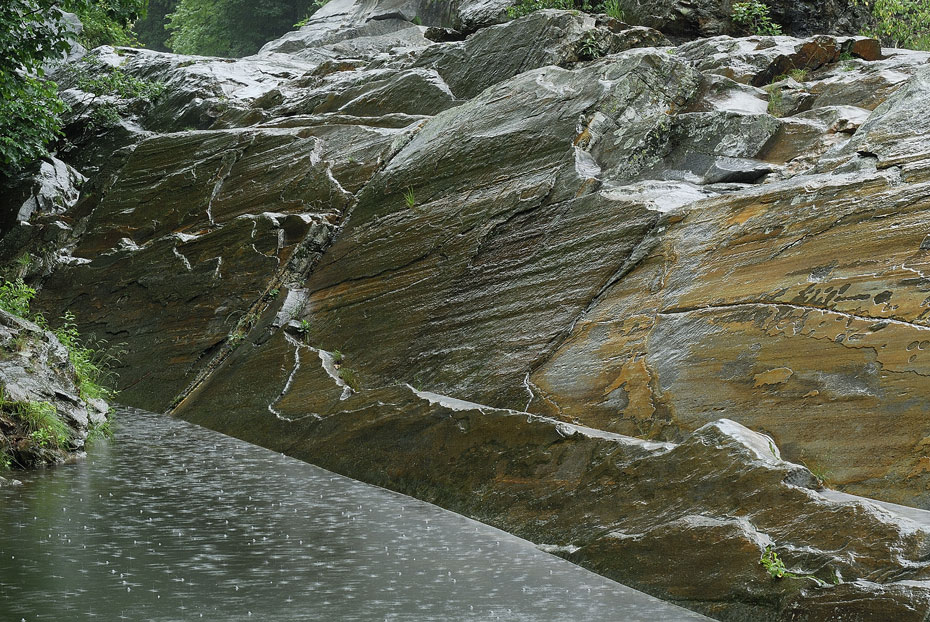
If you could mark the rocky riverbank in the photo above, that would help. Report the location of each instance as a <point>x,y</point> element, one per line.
<point>43,417</point>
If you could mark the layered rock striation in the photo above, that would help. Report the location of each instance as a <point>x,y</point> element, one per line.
<point>475,268</point>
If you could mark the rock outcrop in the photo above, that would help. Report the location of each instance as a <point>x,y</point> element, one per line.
<point>474,269</point>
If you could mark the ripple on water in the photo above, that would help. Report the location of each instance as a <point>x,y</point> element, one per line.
<point>171,521</point>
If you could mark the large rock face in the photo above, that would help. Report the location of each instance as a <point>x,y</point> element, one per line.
<point>474,269</point>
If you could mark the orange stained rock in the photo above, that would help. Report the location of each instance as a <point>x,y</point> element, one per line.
<point>635,378</point>
<point>744,215</point>
<point>922,466</point>
<point>779,375</point>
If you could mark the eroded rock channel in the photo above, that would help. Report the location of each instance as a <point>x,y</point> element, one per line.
<point>644,302</point>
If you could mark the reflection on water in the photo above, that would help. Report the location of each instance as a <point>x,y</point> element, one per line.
<point>174,522</point>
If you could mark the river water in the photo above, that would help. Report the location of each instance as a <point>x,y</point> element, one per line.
<point>170,521</point>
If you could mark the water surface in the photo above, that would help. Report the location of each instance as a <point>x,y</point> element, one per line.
<point>170,521</point>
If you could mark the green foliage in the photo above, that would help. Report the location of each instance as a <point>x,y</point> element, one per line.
<point>315,6</point>
<point>591,47</point>
<point>613,9</point>
<point>30,119</point>
<point>90,363</point>
<point>350,378</point>
<point>98,79</point>
<point>29,105</point>
<point>754,17</point>
<point>231,27</point>
<point>105,115</point>
<point>41,419</point>
<point>100,431</point>
<point>776,98</point>
<point>15,297</point>
<point>28,426</point>
<point>776,568</point>
<point>798,75</point>
<point>31,37</point>
<point>114,81</point>
<point>900,23</point>
<point>109,22</point>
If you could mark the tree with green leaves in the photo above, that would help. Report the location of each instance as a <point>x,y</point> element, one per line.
<point>232,27</point>
<point>109,22</point>
<point>33,35</point>
<point>151,29</point>
<point>901,23</point>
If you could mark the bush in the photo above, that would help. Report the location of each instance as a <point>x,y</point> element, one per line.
<point>525,7</point>
<point>15,297</point>
<point>754,17</point>
<point>109,22</point>
<point>89,363</point>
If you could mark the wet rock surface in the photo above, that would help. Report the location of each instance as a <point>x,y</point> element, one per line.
<point>473,269</point>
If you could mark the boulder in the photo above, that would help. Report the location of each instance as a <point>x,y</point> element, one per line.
<point>49,187</point>
<point>547,37</point>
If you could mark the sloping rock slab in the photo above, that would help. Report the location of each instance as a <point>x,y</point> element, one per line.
<point>687,523</point>
<point>173,258</point>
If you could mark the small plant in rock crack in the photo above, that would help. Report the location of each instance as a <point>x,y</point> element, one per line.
<point>350,378</point>
<point>590,48</point>
<point>409,198</point>
<point>303,329</point>
<point>15,297</point>
<point>773,564</point>
<point>776,99</point>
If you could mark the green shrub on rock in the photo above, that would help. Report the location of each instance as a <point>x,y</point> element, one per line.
<point>15,297</point>
<point>754,17</point>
